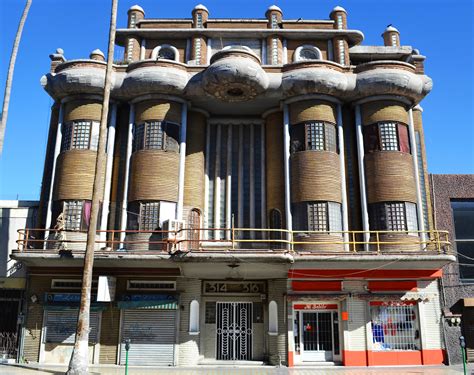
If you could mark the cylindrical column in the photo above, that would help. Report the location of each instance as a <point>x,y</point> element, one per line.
<point>419,202</point>
<point>345,215</point>
<point>363,189</point>
<point>182,161</point>
<point>391,37</point>
<point>286,168</point>
<point>57,149</point>
<point>108,172</point>
<point>132,48</point>
<point>128,155</point>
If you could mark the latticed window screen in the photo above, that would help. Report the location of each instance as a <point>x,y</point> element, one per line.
<point>73,215</point>
<point>317,216</point>
<point>77,135</point>
<point>274,21</point>
<point>394,326</point>
<point>321,136</point>
<point>339,22</point>
<point>156,135</point>
<point>324,216</point>
<point>388,136</point>
<point>149,215</point>
<point>393,216</point>
<point>199,20</point>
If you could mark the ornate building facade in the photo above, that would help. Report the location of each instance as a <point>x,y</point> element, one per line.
<point>265,198</point>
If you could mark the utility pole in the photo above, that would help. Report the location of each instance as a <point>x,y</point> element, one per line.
<point>79,362</point>
<point>11,68</point>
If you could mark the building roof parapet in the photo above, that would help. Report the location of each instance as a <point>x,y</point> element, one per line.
<point>354,37</point>
<point>386,52</point>
<point>384,64</point>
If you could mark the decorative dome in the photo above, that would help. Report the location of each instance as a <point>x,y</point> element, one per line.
<point>136,8</point>
<point>201,7</point>
<point>390,28</point>
<point>338,9</point>
<point>274,7</point>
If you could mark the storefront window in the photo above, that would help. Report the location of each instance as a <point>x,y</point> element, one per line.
<point>395,326</point>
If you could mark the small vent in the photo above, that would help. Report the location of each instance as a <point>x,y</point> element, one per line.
<point>151,285</point>
<point>69,284</point>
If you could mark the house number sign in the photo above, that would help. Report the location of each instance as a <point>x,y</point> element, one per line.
<point>234,287</point>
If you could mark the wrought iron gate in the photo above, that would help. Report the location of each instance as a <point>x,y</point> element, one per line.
<point>234,331</point>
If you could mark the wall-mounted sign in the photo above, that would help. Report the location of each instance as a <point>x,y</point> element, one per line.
<point>315,306</point>
<point>148,297</point>
<point>106,288</point>
<point>234,287</point>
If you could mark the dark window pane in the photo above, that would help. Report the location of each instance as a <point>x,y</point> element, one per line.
<point>297,136</point>
<point>371,138</point>
<point>210,313</point>
<point>330,137</point>
<point>466,259</point>
<point>257,312</point>
<point>463,213</point>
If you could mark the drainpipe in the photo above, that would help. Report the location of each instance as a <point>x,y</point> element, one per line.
<point>123,223</point>
<point>182,160</point>
<point>342,166</point>
<point>286,167</point>
<point>108,174</point>
<point>363,191</point>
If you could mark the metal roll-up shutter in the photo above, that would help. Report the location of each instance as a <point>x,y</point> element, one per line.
<point>152,334</point>
<point>61,326</point>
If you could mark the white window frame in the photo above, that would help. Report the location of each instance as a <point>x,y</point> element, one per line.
<point>194,318</point>
<point>273,318</point>
<point>151,282</point>
<point>156,51</point>
<point>297,55</point>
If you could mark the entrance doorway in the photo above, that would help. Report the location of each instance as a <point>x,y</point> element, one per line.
<point>234,331</point>
<point>318,335</point>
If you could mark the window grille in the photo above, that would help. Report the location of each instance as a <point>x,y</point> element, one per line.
<point>149,215</point>
<point>138,137</point>
<point>335,216</point>
<point>395,326</point>
<point>393,216</point>
<point>151,285</point>
<point>317,216</point>
<point>156,135</point>
<point>388,136</point>
<point>197,49</point>
<point>73,215</point>
<point>82,135</point>
<point>275,51</point>
<point>321,136</point>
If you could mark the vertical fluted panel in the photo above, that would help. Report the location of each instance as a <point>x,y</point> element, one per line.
<point>194,167</point>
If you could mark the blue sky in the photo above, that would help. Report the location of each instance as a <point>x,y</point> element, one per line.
<point>441,29</point>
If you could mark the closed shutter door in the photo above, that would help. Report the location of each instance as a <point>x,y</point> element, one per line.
<point>61,326</point>
<point>152,335</point>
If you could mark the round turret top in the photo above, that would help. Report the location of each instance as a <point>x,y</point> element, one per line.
<point>274,7</point>
<point>201,7</point>
<point>136,8</point>
<point>390,28</point>
<point>338,9</point>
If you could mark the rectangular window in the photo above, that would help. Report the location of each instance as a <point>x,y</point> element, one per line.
<point>73,215</point>
<point>149,215</point>
<point>393,216</point>
<point>463,215</point>
<point>156,135</point>
<point>342,54</point>
<point>395,326</point>
<point>274,21</point>
<point>339,22</point>
<point>82,135</point>
<point>199,20</point>
<point>388,137</point>
<point>319,136</point>
<point>324,216</point>
<point>394,40</point>
<point>210,317</point>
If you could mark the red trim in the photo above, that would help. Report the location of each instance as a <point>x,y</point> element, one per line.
<point>394,358</point>
<point>315,306</point>
<point>393,285</point>
<point>392,303</point>
<point>291,359</point>
<point>363,274</point>
<point>311,286</point>
<point>433,356</point>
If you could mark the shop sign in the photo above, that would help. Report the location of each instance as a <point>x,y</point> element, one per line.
<point>63,297</point>
<point>316,306</point>
<point>392,303</point>
<point>106,288</point>
<point>149,297</point>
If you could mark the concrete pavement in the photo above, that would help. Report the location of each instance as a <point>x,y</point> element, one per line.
<point>35,369</point>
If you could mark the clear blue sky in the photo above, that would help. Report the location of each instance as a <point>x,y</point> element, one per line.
<point>441,30</point>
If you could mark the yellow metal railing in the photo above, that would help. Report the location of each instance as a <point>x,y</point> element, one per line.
<point>212,239</point>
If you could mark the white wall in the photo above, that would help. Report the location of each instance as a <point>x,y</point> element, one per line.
<point>14,215</point>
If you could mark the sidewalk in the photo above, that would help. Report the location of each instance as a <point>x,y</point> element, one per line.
<point>35,369</point>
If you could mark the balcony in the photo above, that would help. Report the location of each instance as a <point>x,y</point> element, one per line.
<point>39,242</point>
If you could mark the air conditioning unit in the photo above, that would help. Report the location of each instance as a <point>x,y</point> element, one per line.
<point>175,230</point>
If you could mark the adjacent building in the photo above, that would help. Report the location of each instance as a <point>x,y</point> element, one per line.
<point>453,198</point>
<point>265,198</point>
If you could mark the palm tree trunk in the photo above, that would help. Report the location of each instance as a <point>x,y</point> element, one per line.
<point>11,68</point>
<point>79,362</point>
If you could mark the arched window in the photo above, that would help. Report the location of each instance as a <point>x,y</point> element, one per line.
<point>166,52</point>
<point>307,52</point>
<point>194,317</point>
<point>194,225</point>
<point>272,318</point>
